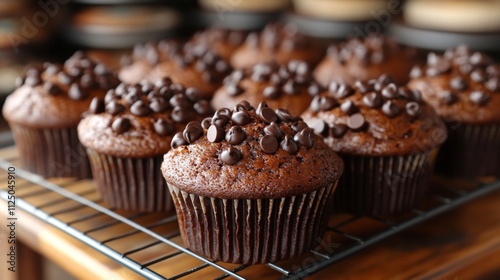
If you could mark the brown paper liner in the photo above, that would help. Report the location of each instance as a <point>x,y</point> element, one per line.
<point>51,152</point>
<point>251,231</point>
<point>134,184</point>
<point>471,151</point>
<point>383,185</point>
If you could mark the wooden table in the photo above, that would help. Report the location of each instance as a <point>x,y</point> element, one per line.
<point>461,244</point>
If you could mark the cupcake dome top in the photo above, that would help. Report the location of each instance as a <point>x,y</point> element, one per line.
<point>250,153</point>
<point>461,85</point>
<point>375,118</point>
<point>55,96</point>
<point>290,86</point>
<point>222,41</point>
<point>140,120</point>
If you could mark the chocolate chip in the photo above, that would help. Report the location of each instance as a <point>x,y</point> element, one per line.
<point>208,77</point>
<point>206,123</point>
<point>479,76</point>
<point>131,97</point>
<point>96,106</point>
<point>385,80</point>
<point>268,144</point>
<point>458,83</point>
<point>299,126</point>
<point>220,120</point>
<point>413,109</point>
<point>121,125</point>
<point>52,89</point>
<point>373,100</point>
<point>320,127</point>
<point>261,105</point>
<point>32,81</point>
<point>234,90</point>
<point>87,81</point>
<point>224,112</point>
<point>240,118</point>
<point>179,100</point>
<point>416,72</point>
<point>64,78</point>
<point>268,115</point>
<point>192,132</point>
<point>291,87</point>
<point>390,109</point>
<point>493,84</point>
<point>235,135</point>
<point>51,69</point>
<point>202,107</point>
<point>76,93</point>
<point>114,108</point>
<point>479,97</point>
<point>314,89</point>
<point>140,109</point>
<point>243,106</point>
<point>466,68</point>
<point>356,122</point>
<point>333,87</point>
<point>158,105</point>
<point>285,116</point>
<point>163,127</point>
<point>348,107</point>
<point>323,103</point>
<point>289,145</point>
<point>493,70</point>
<point>179,114</point>
<point>478,58</point>
<point>408,94</point>
<point>192,94</point>
<point>343,91</point>
<point>448,97</point>
<point>390,91</point>
<point>271,92</point>
<point>215,134</point>
<point>178,140</point>
<point>230,156</point>
<point>274,130</point>
<point>164,82</point>
<point>304,137</point>
<point>75,71</point>
<point>337,130</point>
<point>432,72</point>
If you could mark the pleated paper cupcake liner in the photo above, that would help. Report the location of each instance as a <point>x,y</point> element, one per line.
<point>383,185</point>
<point>51,152</point>
<point>251,231</point>
<point>134,184</point>
<point>471,151</point>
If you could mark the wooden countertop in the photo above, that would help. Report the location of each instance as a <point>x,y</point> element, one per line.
<point>461,244</point>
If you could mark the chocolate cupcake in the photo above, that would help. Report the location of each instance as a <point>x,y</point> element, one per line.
<point>289,86</point>
<point>44,111</point>
<point>251,185</point>
<point>191,65</point>
<point>126,135</point>
<point>275,43</point>
<point>221,41</point>
<point>464,88</point>
<point>388,139</point>
<point>364,59</point>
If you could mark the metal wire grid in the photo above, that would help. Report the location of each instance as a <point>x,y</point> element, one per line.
<point>84,203</point>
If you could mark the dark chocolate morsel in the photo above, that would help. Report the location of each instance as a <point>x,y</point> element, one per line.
<point>337,130</point>
<point>76,93</point>
<point>230,156</point>
<point>234,90</point>
<point>271,92</point>
<point>52,89</point>
<point>285,116</point>
<point>121,125</point>
<point>87,81</point>
<point>96,106</point>
<point>416,72</point>
<point>223,112</point>
<point>139,108</point>
<point>274,130</point>
<point>268,144</point>
<point>448,97</point>
<point>304,137</point>
<point>458,83</point>
<point>299,126</point>
<point>163,127</point>
<point>178,140</point>
<point>356,122</point>
<point>268,115</point>
<point>261,105</point>
<point>220,120</point>
<point>243,106</point>
<point>240,118</point>
<point>192,132</point>
<point>314,89</point>
<point>289,145</point>
<point>343,91</point>
<point>479,97</point>
<point>390,109</point>
<point>114,108</point>
<point>206,123</point>
<point>363,87</point>
<point>215,134</point>
<point>320,127</point>
<point>413,109</point>
<point>291,87</point>
<point>64,78</point>
<point>235,135</point>
<point>192,94</point>
<point>32,80</point>
<point>158,105</point>
<point>479,75</point>
<point>373,100</point>
<point>348,107</point>
<point>493,84</point>
<point>202,107</point>
<point>179,100</point>
<point>390,91</point>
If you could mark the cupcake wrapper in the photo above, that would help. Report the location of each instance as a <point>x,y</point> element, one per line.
<point>250,231</point>
<point>134,184</point>
<point>471,151</point>
<point>383,185</point>
<point>51,152</point>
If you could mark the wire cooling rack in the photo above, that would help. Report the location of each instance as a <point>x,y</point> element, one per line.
<point>150,244</point>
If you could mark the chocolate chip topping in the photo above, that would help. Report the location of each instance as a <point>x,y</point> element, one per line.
<point>192,132</point>
<point>337,130</point>
<point>96,106</point>
<point>121,125</point>
<point>163,127</point>
<point>268,115</point>
<point>240,118</point>
<point>268,144</point>
<point>448,97</point>
<point>304,138</point>
<point>230,156</point>
<point>348,107</point>
<point>289,145</point>
<point>356,122</point>
<point>140,108</point>
<point>235,135</point>
<point>274,130</point>
<point>114,108</point>
<point>178,140</point>
<point>77,93</point>
<point>215,133</point>
<point>373,100</point>
<point>479,97</point>
<point>390,109</point>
